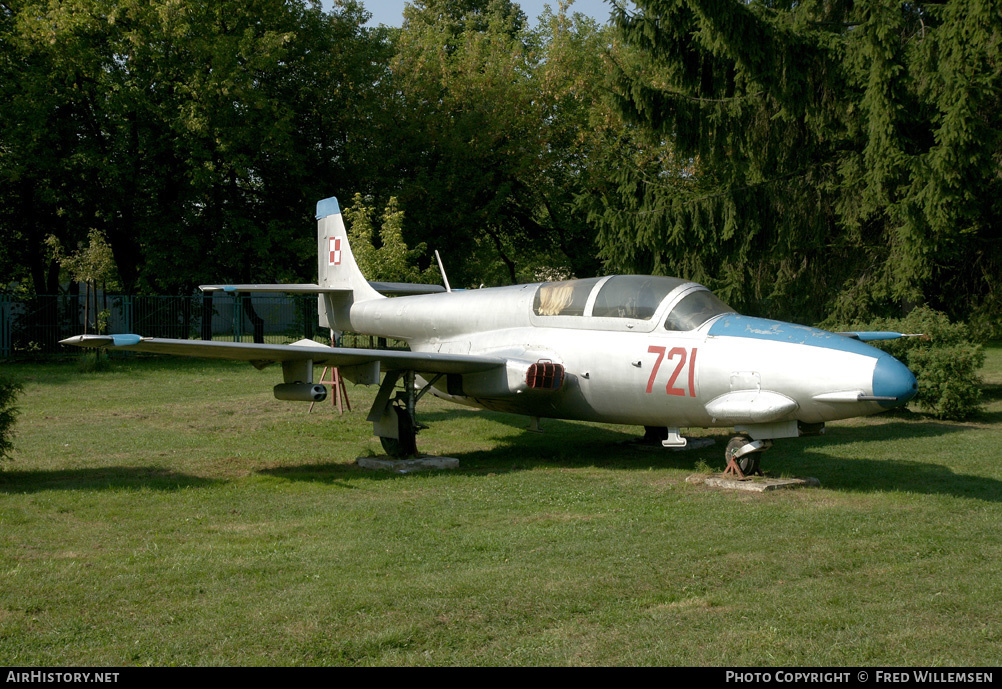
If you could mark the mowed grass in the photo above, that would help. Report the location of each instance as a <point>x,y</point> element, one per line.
<point>171,512</point>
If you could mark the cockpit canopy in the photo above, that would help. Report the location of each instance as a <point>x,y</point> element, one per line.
<point>634,297</point>
<point>694,309</point>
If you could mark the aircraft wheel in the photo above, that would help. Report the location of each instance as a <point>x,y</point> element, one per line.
<point>406,444</point>
<point>748,463</point>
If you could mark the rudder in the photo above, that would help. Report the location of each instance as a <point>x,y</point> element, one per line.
<point>336,268</point>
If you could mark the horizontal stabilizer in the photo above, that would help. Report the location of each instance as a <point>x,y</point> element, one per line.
<point>395,288</point>
<point>263,354</point>
<point>287,289</point>
<point>403,288</point>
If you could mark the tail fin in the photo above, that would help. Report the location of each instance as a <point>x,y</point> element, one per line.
<point>337,269</point>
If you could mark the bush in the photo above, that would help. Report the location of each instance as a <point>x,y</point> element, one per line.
<point>9,391</point>
<point>945,362</point>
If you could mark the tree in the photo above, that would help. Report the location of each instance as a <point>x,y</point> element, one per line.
<point>184,130</point>
<point>487,164</point>
<point>391,260</point>
<point>835,155</point>
<point>43,169</point>
<point>91,264</point>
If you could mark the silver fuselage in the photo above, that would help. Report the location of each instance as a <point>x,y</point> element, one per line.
<point>758,375</point>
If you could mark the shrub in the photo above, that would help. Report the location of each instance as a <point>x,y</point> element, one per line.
<point>9,391</point>
<point>945,362</point>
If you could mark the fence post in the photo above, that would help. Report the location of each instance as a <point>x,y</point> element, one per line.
<point>127,314</point>
<point>238,318</point>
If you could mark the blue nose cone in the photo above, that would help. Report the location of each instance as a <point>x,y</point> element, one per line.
<point>891,378</point>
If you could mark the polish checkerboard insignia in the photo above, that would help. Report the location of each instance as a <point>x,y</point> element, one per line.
<point>335,251</point>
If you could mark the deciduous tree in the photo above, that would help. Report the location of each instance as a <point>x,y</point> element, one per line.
<point>198,135</point>
<point>490,155</point>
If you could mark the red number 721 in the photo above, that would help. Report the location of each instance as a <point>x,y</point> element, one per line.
<point>681,353</point>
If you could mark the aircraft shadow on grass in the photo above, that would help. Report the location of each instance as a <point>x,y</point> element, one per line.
<point>100,478</point>
<point>569,444</point>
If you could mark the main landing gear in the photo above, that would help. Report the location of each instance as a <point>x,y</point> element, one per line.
<point>405,444</point>
<point>742,456</point>
<point>393,416</point>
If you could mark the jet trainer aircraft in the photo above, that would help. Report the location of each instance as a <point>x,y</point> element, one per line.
<point>658,352</point>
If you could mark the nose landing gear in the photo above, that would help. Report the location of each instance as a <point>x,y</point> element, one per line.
<point>742,456</point>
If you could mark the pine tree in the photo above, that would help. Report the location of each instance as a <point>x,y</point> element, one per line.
<point>827,155</point>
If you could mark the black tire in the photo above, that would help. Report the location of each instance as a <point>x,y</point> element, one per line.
<point>747,463</point>
<point>406,444</point>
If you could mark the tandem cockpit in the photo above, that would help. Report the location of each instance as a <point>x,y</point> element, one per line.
<point>626,302</point>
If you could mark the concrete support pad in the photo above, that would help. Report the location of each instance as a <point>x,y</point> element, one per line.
<point>755,484</point>
<point>406,466</point>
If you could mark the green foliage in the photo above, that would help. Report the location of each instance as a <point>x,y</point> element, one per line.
<point>181,129</point>
<point>392,261</point>
<point>945,360</point>
<point>801,159</point>
<point>92,263</point>
<point>701,467</point>
<point>820,148</point>
<point>488,148</point>
<point>9,390</point>
<point>209,130</point>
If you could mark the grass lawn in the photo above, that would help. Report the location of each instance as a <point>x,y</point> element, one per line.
<point>171,512</point>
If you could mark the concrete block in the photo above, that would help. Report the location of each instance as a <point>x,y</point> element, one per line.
<point>755,484</point>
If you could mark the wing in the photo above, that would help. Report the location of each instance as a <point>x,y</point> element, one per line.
<point>262,355</point>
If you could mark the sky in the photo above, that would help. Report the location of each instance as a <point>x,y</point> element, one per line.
<point>391,12</point>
